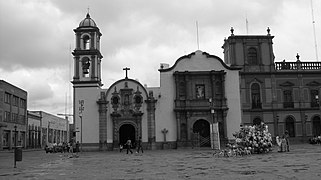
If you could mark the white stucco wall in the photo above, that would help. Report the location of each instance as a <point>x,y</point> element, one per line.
<point>90,118</point>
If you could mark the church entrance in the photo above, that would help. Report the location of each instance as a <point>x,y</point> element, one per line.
<point>202,129</point>
<point>127,131</point>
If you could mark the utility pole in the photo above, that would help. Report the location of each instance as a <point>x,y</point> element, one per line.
<point>66,117</point>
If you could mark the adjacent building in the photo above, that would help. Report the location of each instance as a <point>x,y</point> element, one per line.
<point>13,116</point>
<point>48,130</point>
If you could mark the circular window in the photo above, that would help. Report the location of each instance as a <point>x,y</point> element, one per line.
<point>138,100</point>
<point>115,100</point>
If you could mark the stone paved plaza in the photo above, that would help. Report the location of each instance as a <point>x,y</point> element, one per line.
<point>302,162</point>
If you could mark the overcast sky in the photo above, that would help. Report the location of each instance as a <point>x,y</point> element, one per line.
<point>37,35</point>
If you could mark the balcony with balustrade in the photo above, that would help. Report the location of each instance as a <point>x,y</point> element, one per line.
<point>298,65</point>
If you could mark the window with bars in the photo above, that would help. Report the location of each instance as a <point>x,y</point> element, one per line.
<point>287,99</point>
<point>252,56</point>
<point>314,98</point>
<point>256,96</point>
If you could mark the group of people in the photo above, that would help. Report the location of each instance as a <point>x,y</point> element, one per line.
<point>71,147</point>
<point>315,140</point>
<point>283,142</point>
<point>129,146</point>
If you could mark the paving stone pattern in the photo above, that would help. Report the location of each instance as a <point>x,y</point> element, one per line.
<point>302,162</point>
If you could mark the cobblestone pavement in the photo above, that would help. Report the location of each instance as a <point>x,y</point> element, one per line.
<point>302,162</point>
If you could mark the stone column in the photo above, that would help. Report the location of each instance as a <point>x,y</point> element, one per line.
<point>151,102</point>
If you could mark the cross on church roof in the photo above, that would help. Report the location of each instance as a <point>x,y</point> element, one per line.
<point>126,69</point>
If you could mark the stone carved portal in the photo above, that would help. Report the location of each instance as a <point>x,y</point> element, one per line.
<point>126,115</point>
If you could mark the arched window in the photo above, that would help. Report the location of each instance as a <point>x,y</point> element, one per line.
<point>316,126</point>
<point>257,121</point>
<point>85,66</point>
<point>252,56</point>
<point>86,42</point>
<point>289,126</point>
<point>256,96</point>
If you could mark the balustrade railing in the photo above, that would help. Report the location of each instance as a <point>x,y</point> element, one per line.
<point>297,65</point>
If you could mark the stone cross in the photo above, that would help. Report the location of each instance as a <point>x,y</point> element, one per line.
<point>126,69</point>
<point>164,131</point>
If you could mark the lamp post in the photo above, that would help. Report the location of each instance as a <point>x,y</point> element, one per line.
<point>81,109</point>
<point>212,127</point>
<point>15,145</point>
<point>80,116</point>
<point>215,132</point>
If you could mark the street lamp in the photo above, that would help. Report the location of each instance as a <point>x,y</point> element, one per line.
<point>215,131</point>
<point>15,146</point>
<point>81,109</point>
<point>80,116</point>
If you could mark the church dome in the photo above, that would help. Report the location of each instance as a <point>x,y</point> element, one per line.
<point>87,22</point>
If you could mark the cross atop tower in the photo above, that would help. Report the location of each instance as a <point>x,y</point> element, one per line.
<point>126,69</point>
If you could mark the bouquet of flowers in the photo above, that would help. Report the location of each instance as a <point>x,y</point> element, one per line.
<point>255,139</point>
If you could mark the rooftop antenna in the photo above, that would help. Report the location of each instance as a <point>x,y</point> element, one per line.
<point>69,84</point>
<point>314,33</point>
<point>198,44</point>
<point>247,25</point>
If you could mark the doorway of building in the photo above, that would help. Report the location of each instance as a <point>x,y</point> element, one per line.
<point>316,126</point>
<point>202,129</point>
<point>289,126</point>
<point>127,131</point>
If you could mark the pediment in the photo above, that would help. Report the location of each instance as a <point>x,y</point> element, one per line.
<point>287,84</point>
<point>313,83</point>
<point>255,80</point>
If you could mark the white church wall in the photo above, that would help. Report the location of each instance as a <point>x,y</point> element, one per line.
<point>234,114</point>
<point>90,117</point>
<point>165,115</point>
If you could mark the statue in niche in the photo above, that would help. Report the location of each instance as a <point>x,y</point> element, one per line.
<point>126,99</point>
<point>200,92</point>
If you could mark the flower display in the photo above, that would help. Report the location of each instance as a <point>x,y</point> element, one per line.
<point>255,139</point>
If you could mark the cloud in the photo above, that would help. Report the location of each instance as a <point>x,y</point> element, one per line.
<point>36,37</point>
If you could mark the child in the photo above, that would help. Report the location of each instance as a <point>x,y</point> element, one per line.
<point>121,147</point>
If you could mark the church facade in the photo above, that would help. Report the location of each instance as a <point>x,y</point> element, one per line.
<point>202,100</point>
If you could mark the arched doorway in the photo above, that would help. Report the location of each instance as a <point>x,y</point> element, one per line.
<point>289,126</point>
<point>316,126</point>
<point>202,128</point>
<point>127,131</point>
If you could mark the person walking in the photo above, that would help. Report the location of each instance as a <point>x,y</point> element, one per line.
<point>129,145</point>
<point>139,145</point>
<point>287,136</point>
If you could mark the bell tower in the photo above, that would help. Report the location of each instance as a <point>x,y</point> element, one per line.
<point>86,81</point>
<point>87,56</point>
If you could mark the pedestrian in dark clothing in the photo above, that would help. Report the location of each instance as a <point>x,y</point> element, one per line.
<point>129,145</point>
<point>77,147</point>
<point>139,145</point>
<point>286,134</point>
